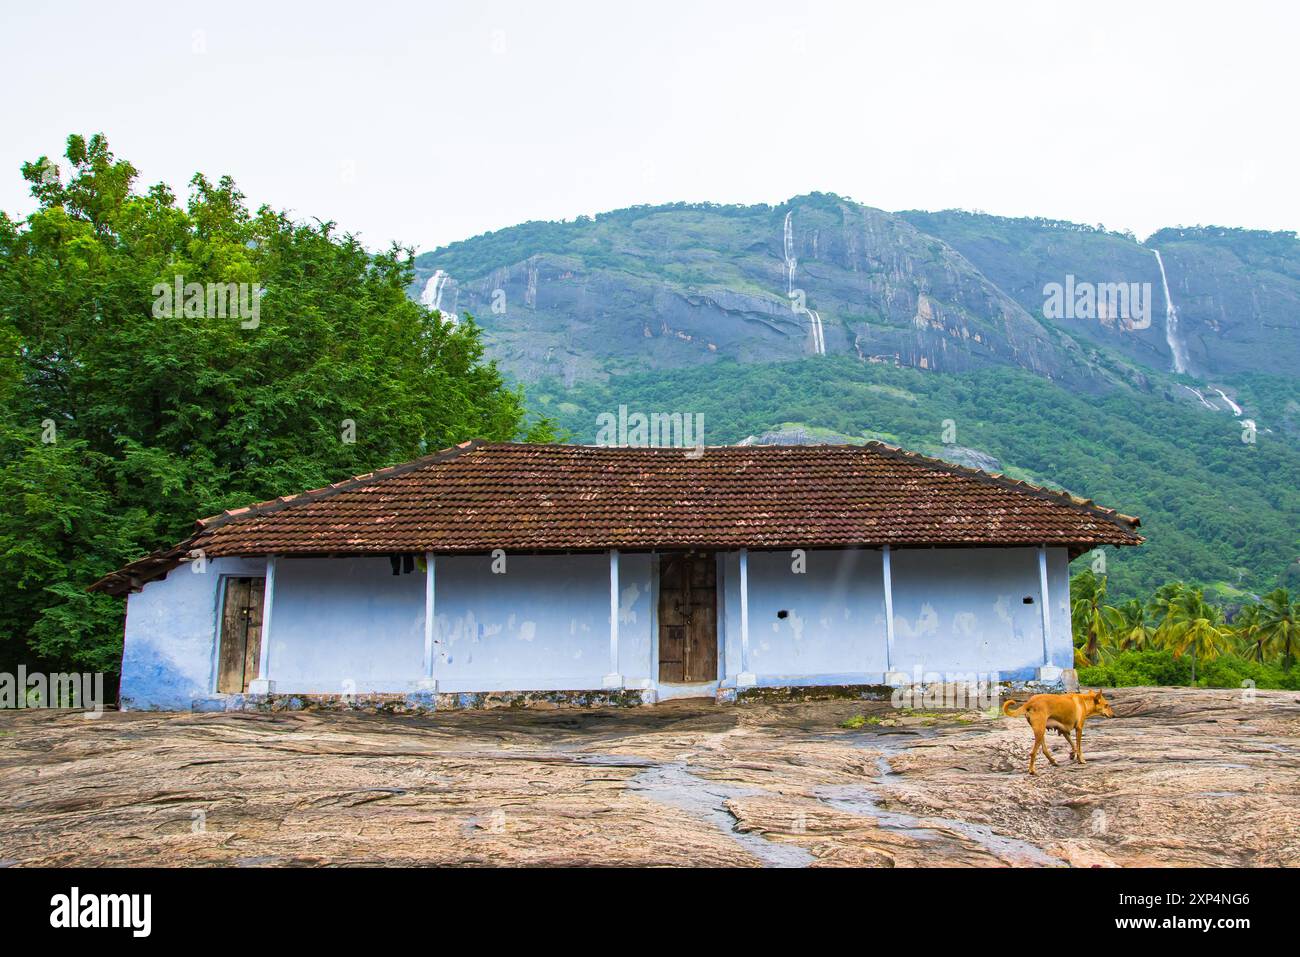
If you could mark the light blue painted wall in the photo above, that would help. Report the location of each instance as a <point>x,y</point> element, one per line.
<point>835,616</point>
<point>961,610</point>
<point>542,625</point>
<point>636,618</point>
<point>955,610</point>
<point>350,625</point>
<point>169,651</point>
<point>346,625</point>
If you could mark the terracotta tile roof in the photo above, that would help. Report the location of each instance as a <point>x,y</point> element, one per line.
<point>480,496</point>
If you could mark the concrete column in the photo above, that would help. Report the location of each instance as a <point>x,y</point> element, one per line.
<point>1048,672</point>
<point>613,679</point>
<point>263,684</point>
<point>746,678</point>
<point>428,682</point>
<point>892,677</point>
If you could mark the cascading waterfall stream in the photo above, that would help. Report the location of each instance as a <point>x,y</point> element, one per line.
<point>432,294</point>
<point>1236,409</point>
<point>791,263</point>
<point>1204,401</point>
<point>1176,347</point>
<point>1179,350</point>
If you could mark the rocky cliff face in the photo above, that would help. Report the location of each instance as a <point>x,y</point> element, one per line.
<point>1236,293</point>
<point>683,285</point>
<point>678,286</point>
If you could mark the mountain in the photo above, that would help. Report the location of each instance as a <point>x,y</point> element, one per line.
<point>825,320</point>
<point>1236,292</point>
<point>675,286</point>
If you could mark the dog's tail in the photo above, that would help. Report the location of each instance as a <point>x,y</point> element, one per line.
<point>1009,709</point>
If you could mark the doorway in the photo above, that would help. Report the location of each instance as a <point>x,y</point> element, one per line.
<point>688,617</point>
<point>241,634</point>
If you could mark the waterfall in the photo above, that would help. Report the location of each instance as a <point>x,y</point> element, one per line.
<point>432,295</point>
<point>791,264</point>
<point>1236,409</point>
<point>1204,401</point>
<point>818,336</point>
<point>1176,347</point>
<point>788,248</point>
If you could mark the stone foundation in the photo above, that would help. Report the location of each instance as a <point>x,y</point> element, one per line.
<point>907,695</point>
<point>424,702</point>
<point>809,693</point>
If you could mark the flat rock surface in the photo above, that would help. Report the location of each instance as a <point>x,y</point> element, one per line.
<point>1178,777</point>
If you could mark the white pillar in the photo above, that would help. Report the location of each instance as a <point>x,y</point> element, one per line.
<point>263,684</point>
<point>1048,672</point>
<point>746,678</point>
<point>428,683</point>
<point>613,679</point>
<point>892,677</point>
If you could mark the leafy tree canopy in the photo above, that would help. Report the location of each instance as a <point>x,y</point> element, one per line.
<point>126,416</point>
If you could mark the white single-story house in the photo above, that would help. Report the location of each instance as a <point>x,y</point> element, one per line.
<point>618,573</point>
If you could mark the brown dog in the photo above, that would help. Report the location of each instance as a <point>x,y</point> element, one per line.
<point>1065,713</point>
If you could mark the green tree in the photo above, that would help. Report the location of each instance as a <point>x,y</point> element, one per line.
<point>1131,630</point>
<point>1252,645</point>
<point>1162,601</point>
<point>1093,621</point>
<point>1192,625</point>
<point>1276,625</point>
<point>126,417</point>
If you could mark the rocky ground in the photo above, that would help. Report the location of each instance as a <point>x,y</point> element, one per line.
<point>1178,777</point>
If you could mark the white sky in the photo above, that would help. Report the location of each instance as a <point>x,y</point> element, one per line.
<point>433,122</point>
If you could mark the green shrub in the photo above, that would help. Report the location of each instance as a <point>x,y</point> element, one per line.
<point>1156,668</point>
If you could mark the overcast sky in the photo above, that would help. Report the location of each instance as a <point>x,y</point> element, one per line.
<point>442,120</point>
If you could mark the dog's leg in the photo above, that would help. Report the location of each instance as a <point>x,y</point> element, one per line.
<point>1047,752</point>
<point>1066,734</point>
<point>1078,742</point>
<point>1039,724</point>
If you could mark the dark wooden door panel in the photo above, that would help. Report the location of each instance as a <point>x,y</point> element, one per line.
<point>672,653</point>
<point>253,630</point>
<point>688,618</point>
<point>240,647</point>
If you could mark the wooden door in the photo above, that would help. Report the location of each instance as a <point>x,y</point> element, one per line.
<point>241,634</point>
<point>688,617</point>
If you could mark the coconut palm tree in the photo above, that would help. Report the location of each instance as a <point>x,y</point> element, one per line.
<point>1090,616</point>
<point>1245,624</point>
<point>1191,624</point>
<point>1161,601</point>
<point>1277,625</point>
<point>1131,627</point>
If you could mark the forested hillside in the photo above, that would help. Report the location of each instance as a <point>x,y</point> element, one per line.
<point>823,319</point>
<point>1215,509</point>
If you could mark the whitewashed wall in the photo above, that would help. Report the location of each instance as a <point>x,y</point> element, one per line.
<point>169,657</point>
<point>345,625</point>
<point>542,625</point>
<point>833,631</point>
<point>350,625</point>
